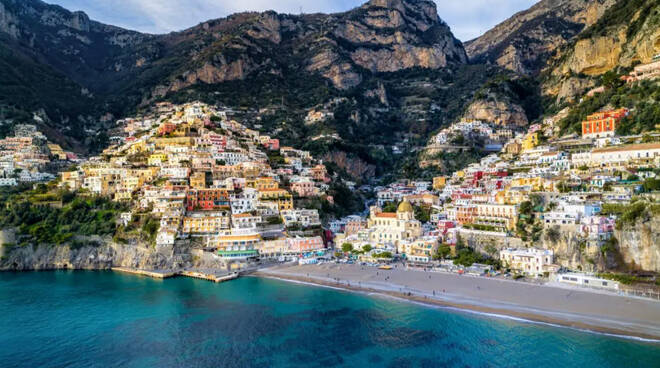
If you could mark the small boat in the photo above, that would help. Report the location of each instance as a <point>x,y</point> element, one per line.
<point>385,267</point>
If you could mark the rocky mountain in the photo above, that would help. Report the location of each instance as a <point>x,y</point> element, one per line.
<point>248,60</point>
<point>380,36</point>
<point>524,42</point>
<point>627,34</point>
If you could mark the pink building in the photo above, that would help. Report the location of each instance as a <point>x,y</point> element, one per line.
<point>304,188</point>
<point>273,144</point>
<point>305,244</point>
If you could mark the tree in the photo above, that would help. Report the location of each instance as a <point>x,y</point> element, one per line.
<point>422,213</point>
<point>467,257</point>
<point>552,234</point>
<point>526,208</point>
<point>384,255</point>
<point>490,249</point>
<point>444,251</point>
<point>460,244</point>
<point>367,248</point>
<point>611,80</point>
<point>536,199</point>
<point>347,247</point>
<point>651,184</point>
<point>390,207</point>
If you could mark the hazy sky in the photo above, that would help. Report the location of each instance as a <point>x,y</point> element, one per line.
<point>467,18</point>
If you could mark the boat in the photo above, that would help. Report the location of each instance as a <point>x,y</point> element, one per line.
<point>385,267</point>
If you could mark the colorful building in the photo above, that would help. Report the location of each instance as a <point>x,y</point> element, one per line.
<point>603,124</point>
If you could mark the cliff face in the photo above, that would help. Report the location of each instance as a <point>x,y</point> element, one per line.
<point>104,256</point>
<point>628,33</point>
<point>524,42</point>
<point>498,111</point>
<point>70,42</point>
<point>380,36</point>
<point>571,251</point>
<point>246,59</point>
<point>639,245</point>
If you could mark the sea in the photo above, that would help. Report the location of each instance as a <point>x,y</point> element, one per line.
<point>106,319</point>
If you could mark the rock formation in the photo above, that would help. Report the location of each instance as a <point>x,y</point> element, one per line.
<point>524,42</point>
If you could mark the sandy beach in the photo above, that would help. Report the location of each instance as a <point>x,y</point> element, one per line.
<point>577,308</point>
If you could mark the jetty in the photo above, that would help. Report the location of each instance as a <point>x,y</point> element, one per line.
<point>203,275</point>
<point>152,274</point>
<point>209,276</point>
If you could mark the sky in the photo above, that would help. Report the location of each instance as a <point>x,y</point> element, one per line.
<point>467,18</point>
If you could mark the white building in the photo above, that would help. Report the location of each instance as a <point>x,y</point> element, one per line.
<point>623,154</point>
<point>530,261</point>
<point>580,279</point>
<point>305,218</point>
<point>8,182</point>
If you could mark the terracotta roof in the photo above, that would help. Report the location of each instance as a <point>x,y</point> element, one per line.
<point>386,215</point>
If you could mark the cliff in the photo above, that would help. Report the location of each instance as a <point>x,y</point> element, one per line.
<point>639,245</point>
<point>524,42</point>
<point>102,255</point>
<point>627,34</point>
<point>285,62</point>
<point>497,111</point>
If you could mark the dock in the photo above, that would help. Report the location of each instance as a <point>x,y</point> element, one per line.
<point>209,276</point>
<point>152,274</point>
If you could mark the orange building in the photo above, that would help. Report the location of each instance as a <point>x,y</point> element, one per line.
<point>603,124</point>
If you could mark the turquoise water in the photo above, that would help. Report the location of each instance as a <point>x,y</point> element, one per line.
<point>104,319</point>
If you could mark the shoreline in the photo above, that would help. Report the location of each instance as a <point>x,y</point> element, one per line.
<point>489,308</point>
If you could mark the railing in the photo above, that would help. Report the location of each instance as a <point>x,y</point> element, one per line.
<point>650,294</point>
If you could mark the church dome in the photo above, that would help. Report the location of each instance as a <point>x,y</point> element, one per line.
<point>404,206</point>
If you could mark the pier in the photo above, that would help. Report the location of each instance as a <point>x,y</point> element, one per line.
<point>203,275</point>
<point>209,276</point>
<point>152,274</point>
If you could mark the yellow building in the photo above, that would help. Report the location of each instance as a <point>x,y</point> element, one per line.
<point>419,250</point>
<point>537,183</point>
<point>198,180</point>
<point>511,196</point>
<point>497,215</point>
<point>439,182</point>
<point>283,198</point>
<point>162,143</point>
<point>530,141</point>
<point>264,183</point>
<point>131,182</point>
<point>145,175</point>
<point>393,228</point>
<point>73,180</point>
<point>237,246</point>
<point>57,151</point>
<point>157,158</point>
<point>205,222</point>
<point>136,147</point>
<point>123,194</point>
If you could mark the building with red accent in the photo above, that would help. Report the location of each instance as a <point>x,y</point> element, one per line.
<point>272,144</point>
<point>166,128</point>
<point>207,199</point>
<point>603,124</point>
